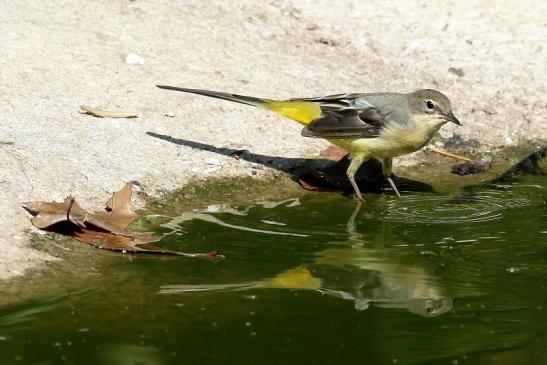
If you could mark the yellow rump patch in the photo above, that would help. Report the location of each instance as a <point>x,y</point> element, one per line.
<point>299,278</point>
<point>301,111</point>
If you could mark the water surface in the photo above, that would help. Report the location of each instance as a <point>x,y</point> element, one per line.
<point>429,279</point>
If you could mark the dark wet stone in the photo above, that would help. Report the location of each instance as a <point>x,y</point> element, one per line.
<point>531,164</point>
<point>369,178</point>
<point>472,167</point>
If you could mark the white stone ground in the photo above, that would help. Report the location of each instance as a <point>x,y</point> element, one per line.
<point>56,55</point>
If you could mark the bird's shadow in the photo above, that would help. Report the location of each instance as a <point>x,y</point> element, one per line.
<point>321,174</point>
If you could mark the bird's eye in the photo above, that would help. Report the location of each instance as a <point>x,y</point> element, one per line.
<point>429,105</point>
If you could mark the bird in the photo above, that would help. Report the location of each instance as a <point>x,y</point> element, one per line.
<point>366,125</point>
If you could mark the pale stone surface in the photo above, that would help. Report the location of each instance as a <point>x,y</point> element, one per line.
<point>488,57</point>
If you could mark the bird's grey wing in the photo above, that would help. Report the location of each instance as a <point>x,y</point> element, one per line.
<point>338,98</point>
<point>361,120</point>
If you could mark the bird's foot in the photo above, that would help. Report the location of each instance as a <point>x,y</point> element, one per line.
<point>390,180</point>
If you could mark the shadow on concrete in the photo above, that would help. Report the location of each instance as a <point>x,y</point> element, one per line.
<point>321,174</point>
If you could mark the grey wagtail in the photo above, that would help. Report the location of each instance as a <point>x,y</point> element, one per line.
<point>382,125</point>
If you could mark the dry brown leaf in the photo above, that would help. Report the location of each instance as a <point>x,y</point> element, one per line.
<point>106,229</point>
<point>108,114</point>
<point>47,214</point>
<point>103,239</point>
<point>119,206</point>
<point>110,241</point>
<point>116,217</point>
<point>118,214</point>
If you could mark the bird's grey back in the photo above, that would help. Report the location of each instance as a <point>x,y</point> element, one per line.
<point>393,105</point>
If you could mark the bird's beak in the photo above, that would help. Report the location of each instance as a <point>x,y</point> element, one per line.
<point>451,117</point>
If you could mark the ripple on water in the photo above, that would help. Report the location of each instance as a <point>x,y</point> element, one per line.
<point>462,208</point>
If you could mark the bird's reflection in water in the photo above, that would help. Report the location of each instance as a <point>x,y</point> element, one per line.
<point>358,269</point>
<point>381,279</point>
<point>383,288</point>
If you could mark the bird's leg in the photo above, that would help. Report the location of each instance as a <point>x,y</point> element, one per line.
<point>350,225</point>
<point>354,236</point>
<point>387,165</point>
<point>356,162</point>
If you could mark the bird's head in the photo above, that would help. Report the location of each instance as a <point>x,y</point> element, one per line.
<point>433,106</point>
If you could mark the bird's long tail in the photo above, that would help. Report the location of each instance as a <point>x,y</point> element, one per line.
<point>301,111</point>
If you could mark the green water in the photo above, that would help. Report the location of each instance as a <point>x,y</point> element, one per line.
<point>428,279</point>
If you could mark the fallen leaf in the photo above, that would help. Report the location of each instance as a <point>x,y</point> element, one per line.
<point>130,244</point>
<point>105,229</point>
<point>109,240</point>
<point>47,214</point>
<point>118,214</point>
<point>108,114</point>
